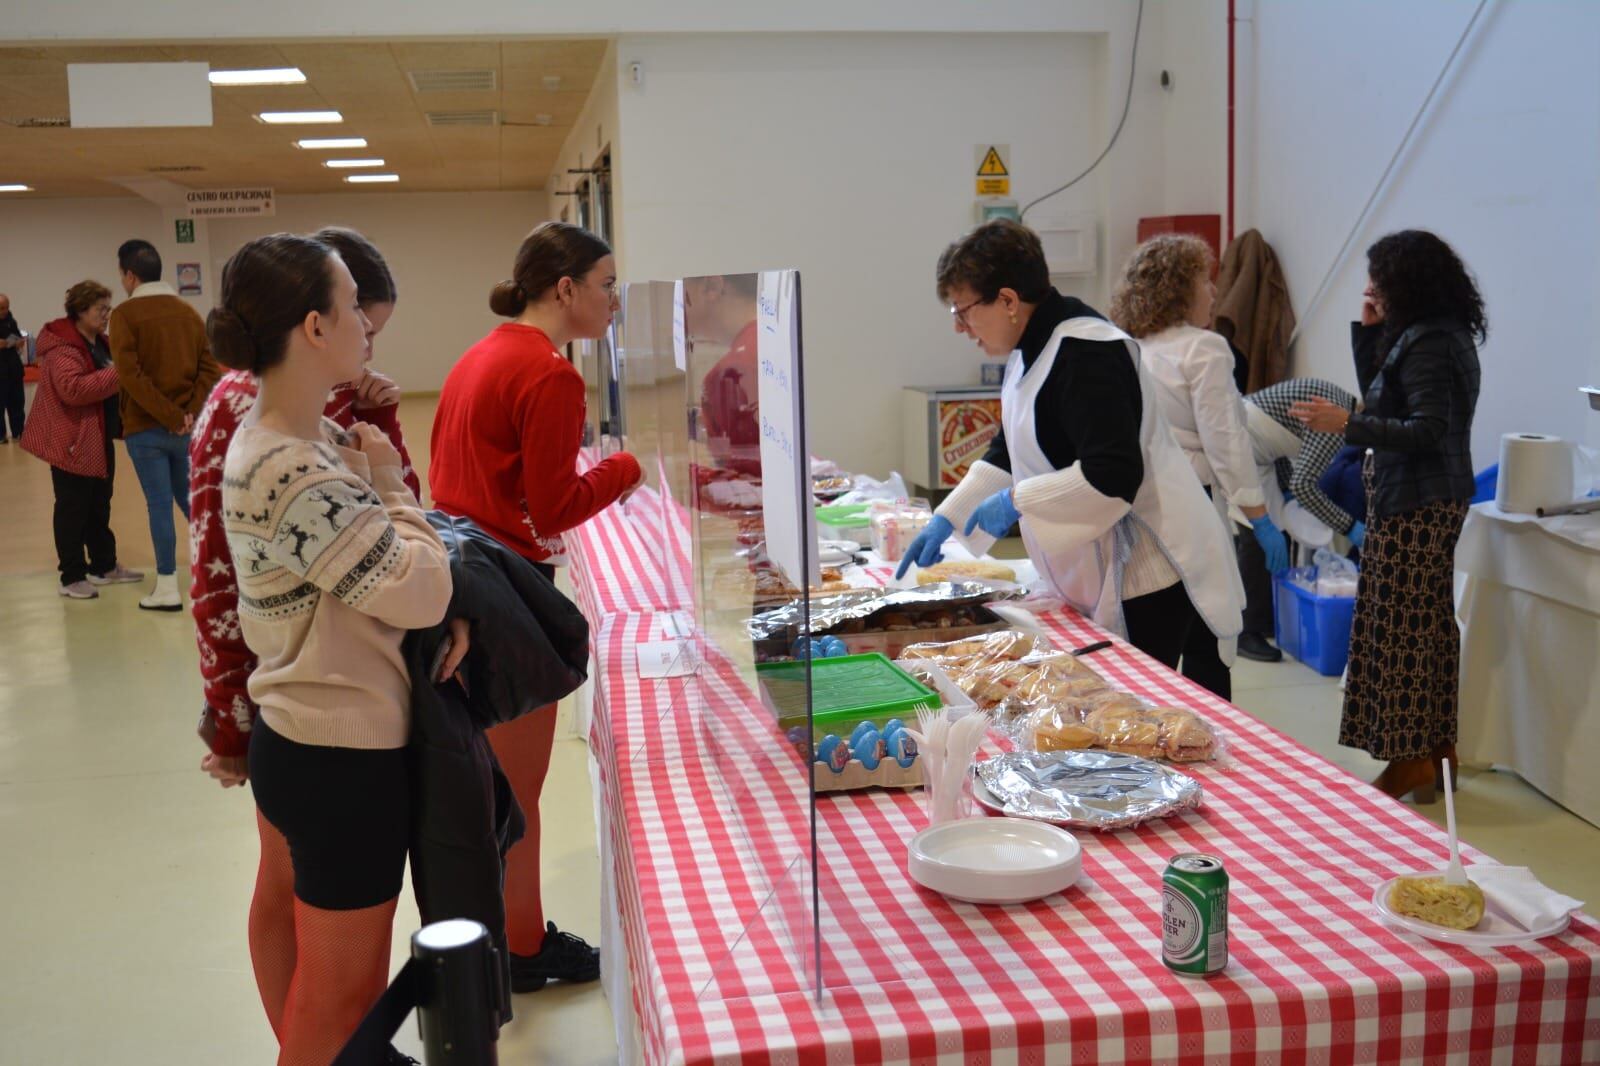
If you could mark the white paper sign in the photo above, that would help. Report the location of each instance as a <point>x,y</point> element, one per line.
<point>666,658</point>
<point>229,203</point>
<point>791,523</point>
<point>680,341</point>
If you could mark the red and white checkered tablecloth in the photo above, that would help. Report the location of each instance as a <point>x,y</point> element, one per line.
<point>706,811</point>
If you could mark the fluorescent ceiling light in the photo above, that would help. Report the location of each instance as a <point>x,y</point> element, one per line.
<point>332,142</point>
<point>16,188</point>
<point>275,76</point>
<point>285,118</point>
<point>350,164</point>
<point>365,179</point>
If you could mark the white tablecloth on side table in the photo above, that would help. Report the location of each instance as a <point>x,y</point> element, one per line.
<point>1530,650</point>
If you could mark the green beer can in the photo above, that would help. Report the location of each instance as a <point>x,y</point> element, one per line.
<point>1194,915</point>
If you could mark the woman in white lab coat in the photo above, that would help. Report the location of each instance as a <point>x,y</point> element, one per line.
<point>1111,512</point>
<point>1164,301</point>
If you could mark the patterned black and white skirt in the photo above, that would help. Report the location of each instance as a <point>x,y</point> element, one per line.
<point>1405,650</point>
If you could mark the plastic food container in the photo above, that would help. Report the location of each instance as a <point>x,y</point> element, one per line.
<point>847,521</point>
<point>896,525</point>
<point>845,692</point>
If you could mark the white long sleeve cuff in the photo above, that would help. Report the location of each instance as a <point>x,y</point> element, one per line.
<point>982,481</point>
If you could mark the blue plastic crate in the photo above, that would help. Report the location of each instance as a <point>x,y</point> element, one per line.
<point>1484,485</point>
<point>1314,629</point>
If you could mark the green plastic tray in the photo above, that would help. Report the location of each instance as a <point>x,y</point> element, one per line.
<point>850,688</point>
<point>845,514</point>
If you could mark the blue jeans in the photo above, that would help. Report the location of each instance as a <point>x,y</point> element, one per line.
<point>161,460</point>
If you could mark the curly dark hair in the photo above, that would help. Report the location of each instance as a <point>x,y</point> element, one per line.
<point>1420,276</point>
<point>1000,254</point>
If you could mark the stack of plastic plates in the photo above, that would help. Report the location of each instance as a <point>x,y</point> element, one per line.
<point>995,860</point>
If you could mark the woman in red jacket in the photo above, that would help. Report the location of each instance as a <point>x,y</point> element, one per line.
<point>505,454</point>
<point>73,423</point>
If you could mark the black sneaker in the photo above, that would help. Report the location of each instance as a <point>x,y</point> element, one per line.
<point>1255,646</point>
<point>564,957</point>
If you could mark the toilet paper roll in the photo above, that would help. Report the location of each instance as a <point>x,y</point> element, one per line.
<point>1535,471</point>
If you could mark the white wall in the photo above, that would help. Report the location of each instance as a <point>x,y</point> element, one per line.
<point>1505,169</point>
<point>446,251</point>
<point>851,159</point>
<point>1194,111</point>
<point>51,245</point>
<point>596,127</point>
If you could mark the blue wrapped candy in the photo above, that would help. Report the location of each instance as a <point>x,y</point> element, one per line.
<point>869,749</point>
<point>902,748</point>
<point>833,753</point>
<point>860,731</point>
<point>833,648</point>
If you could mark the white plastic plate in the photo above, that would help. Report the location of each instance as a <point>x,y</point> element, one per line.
<point>995,860</point>
<point>1495,930</point>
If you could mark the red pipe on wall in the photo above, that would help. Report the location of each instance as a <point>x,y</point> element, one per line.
<point>1231,21</point>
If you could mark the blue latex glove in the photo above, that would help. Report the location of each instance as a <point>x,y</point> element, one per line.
<point>924,551</point>
<point>1358,534</point>
<point>1270,537</point>
<point>995,516</point>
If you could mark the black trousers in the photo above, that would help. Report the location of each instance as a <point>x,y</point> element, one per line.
<point>1258,605</point>
<point>13,398</point>
<point>83,523</point>
<point>1165,626</point>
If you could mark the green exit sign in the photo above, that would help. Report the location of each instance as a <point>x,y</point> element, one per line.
<point>185,230</point>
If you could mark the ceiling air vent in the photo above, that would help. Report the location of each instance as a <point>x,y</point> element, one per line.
<point>463,118</point>
<point>178,168</point>
<point>452,81</point>
<point>40,122</point>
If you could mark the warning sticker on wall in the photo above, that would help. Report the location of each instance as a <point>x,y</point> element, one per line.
<point>993,169</point>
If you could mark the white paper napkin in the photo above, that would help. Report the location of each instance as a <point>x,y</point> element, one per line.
<point>1523,898</point>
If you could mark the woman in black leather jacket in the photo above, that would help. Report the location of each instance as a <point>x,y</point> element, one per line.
<point>1417,361</point>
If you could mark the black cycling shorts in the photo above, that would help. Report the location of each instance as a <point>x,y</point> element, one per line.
<point>344,811</point>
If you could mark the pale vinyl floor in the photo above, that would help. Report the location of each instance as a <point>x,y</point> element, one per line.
<point>125,873</point>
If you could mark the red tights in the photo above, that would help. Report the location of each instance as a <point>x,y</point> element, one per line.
<point>319,971</point>
<point>523,749</point>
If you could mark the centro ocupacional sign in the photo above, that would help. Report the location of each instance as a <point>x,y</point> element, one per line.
<point>229,203</point>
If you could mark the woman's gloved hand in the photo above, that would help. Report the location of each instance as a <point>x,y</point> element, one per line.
<point>1270,537</point>
<point>1358,534</point>
<point>995,516</point>
<point>924,550</point>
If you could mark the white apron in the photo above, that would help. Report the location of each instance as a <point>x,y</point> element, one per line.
<point>1171,505</point>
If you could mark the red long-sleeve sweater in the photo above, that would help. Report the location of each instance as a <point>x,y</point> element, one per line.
<point>225,660</point>
<point>506,440</point>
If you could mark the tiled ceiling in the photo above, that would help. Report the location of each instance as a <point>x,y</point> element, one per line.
<point>368,82</point>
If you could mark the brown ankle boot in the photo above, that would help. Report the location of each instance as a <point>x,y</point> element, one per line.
<point>1408,776</point>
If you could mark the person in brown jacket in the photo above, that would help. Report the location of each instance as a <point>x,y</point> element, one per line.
<point>164,364</point>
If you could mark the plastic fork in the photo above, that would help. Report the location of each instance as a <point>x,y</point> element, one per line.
<point>1456,874</point>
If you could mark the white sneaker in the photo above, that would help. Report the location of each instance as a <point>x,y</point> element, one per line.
<point>121,575</point>
<point>165,597</point>
<point>79,590</point>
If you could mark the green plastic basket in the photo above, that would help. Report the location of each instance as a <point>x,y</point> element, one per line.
<point>845,690</point>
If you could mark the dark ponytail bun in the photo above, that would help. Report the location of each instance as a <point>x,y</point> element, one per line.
<point>268,288</point>
<point>231,342</point>
<point>554,250</point>
<point>507,299</point>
